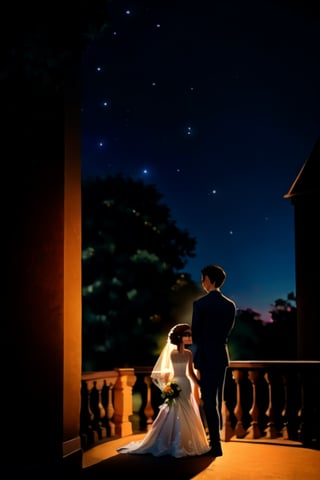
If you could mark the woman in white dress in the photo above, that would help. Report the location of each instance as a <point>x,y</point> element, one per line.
<point>178,429</point>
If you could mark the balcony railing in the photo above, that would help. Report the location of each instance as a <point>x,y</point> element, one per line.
<point>263,401</point>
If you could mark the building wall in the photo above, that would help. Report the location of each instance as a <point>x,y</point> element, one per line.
<point>41,332</point>
<point>307,254</point>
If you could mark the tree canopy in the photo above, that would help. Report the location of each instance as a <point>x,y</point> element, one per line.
<point>133,256</point>
<point>253,339</point>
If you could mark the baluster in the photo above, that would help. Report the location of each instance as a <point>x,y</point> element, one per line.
<point>301,412</point>
<point>110,411</point>
<point>85,416</point>
<point>254,430</point>
<point>310,412</point>
<point>148,411</point>
<point>284,414</point>
<point>136,419</point>
<point>104,402</point>
<point>226,433</point>
<point>239,430</point>
<point>102,414</point>
<point>271,431</point>
<point>106,399</point>
<point>295,406</point>
<point>95,408</point>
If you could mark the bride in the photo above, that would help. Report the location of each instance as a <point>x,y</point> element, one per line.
<point>178,429</point>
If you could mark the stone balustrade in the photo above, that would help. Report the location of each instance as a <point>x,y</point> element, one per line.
<point>263,401</point>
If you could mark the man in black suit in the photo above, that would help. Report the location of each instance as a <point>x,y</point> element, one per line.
<point>213,319</point>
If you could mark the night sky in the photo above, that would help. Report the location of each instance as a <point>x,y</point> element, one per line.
<point>217,104</point>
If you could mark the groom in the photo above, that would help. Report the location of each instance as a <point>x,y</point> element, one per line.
<point>213,319</point>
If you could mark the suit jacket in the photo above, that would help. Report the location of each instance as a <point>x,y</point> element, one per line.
<point>213,319</point>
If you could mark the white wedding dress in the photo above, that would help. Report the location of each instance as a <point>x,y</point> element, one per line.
<point>178,429</point>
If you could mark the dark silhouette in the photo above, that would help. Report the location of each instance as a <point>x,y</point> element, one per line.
<point>213,320</point>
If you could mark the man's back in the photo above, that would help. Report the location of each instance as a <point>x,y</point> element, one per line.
<point>212,322</point>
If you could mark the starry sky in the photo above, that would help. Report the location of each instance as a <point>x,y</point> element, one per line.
<point>216,103</point>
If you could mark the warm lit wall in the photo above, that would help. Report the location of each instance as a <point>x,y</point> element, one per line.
<point>72,279</point>
<point>41,331</point>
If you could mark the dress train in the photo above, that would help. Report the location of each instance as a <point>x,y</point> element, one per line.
<point>178,429</point>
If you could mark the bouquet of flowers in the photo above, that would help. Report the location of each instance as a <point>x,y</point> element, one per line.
<point>170,392</point>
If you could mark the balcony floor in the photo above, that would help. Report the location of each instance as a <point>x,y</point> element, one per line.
<point>242,460</point>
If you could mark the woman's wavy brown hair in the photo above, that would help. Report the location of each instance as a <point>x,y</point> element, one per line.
<point>176,332</point>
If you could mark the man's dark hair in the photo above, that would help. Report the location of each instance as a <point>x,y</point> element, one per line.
<point>215,274</point>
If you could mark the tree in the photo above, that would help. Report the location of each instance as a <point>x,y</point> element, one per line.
<point>280,336</point>
<point>133,254</point>
<point>253,339</point>
<point>245,340</point>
